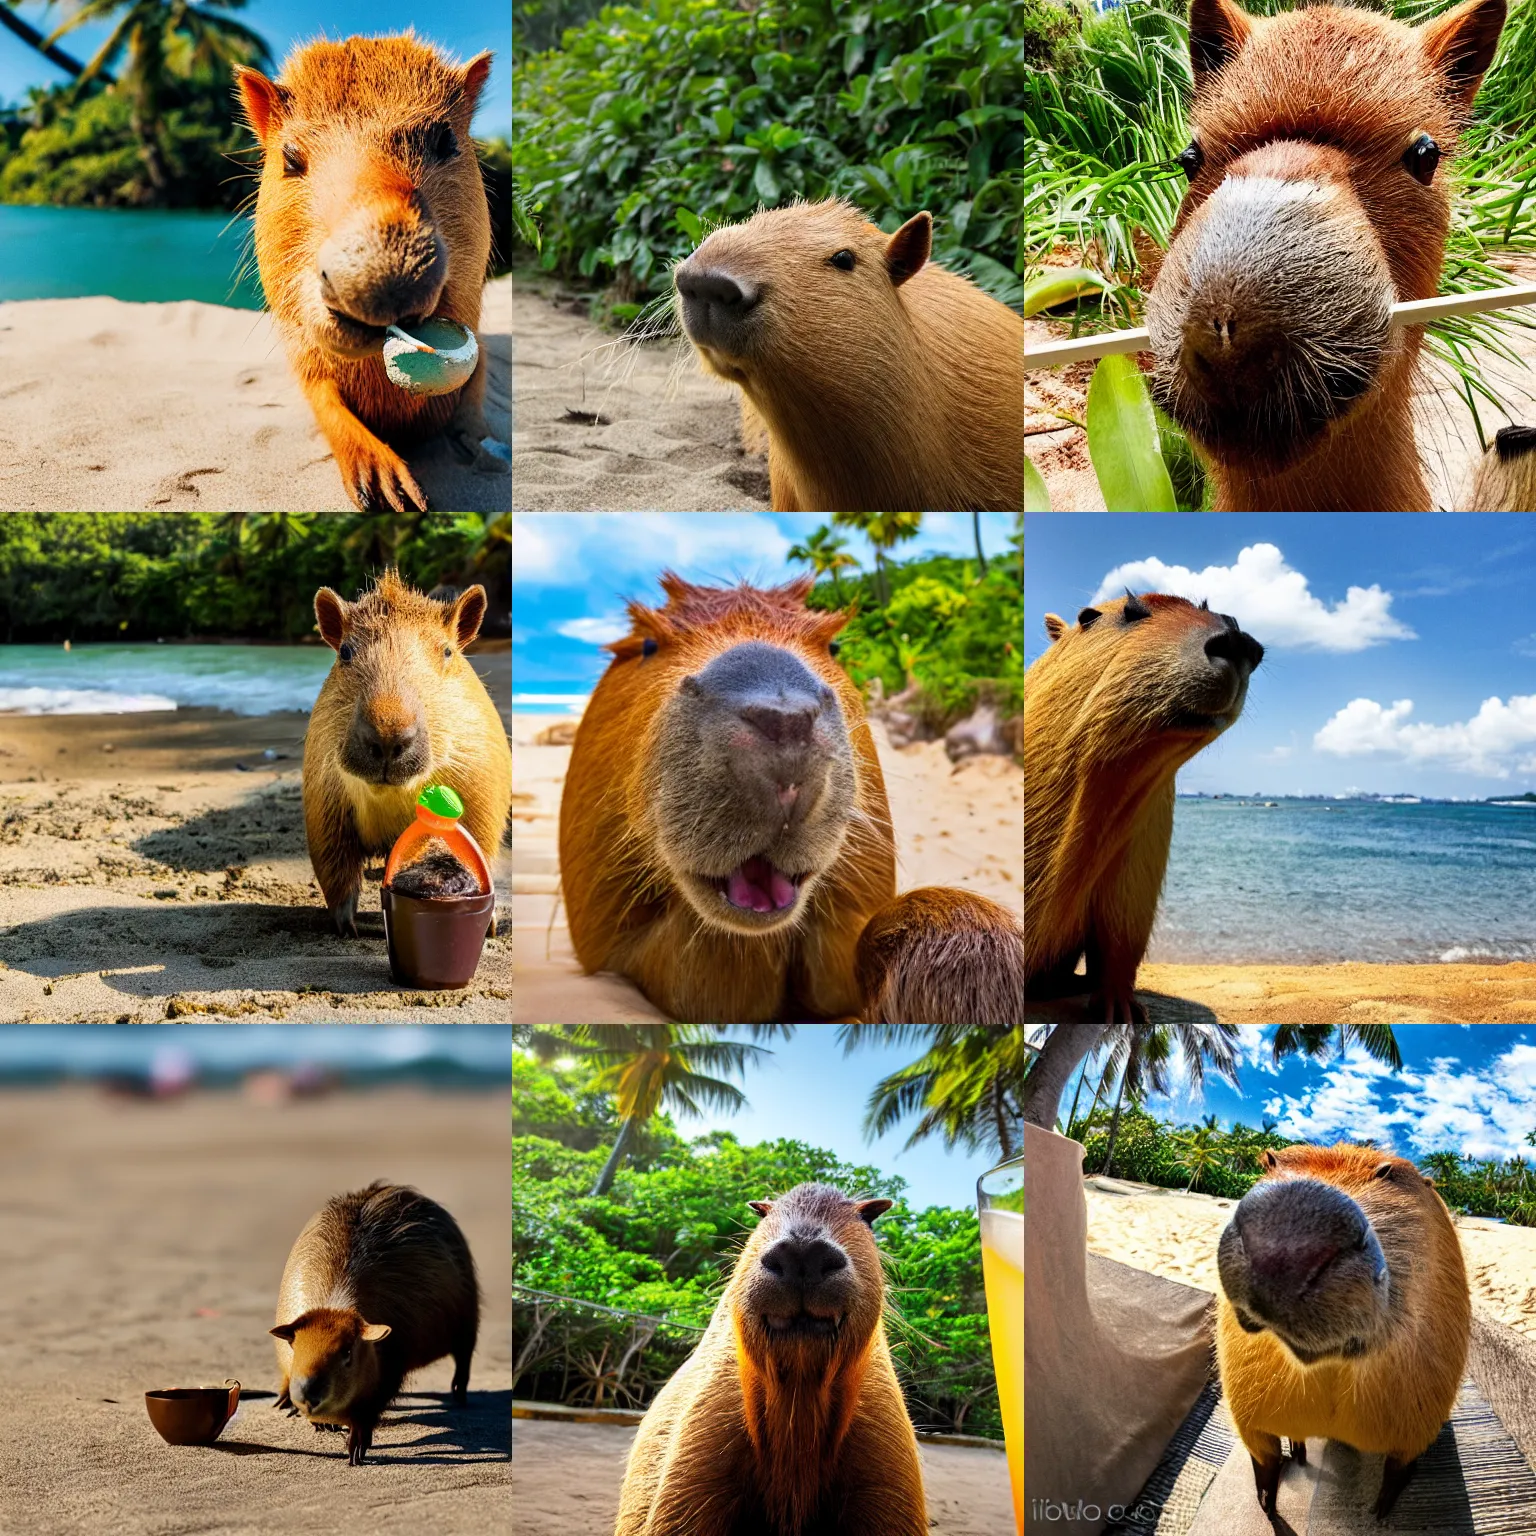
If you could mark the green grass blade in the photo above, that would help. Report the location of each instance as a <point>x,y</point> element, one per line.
<point>1123,440</point>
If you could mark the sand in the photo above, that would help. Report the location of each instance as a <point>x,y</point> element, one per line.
<point>669,439</point>
<point>146,877</point>
<point>191,407</point>
<point>1175,1235</point>
<point>566,1480</point>
<point>143,1247</point>
<point>959,825</point>
<point>1447,435</point>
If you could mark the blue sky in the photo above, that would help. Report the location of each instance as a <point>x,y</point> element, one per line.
<point>1463,1087</point>
<point>461,27</point>
<point>1400,647</point>
<point>573,571</point>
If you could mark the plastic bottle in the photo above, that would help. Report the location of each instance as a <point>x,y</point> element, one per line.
<point>438,810</point>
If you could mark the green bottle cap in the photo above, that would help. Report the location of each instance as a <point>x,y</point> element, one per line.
<point>441,801</point>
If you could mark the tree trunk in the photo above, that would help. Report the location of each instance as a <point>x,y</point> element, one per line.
<point>1072,1116</point>
<point>1061,1055</point>
<point>611,1167</point>
<point>981,554</point>
<point>50,51</point>
<point>1114,1119</point>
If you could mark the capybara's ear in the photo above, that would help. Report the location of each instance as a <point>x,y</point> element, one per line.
<point>869,1209</point>
<point>1218,29</point>
<point>1461,44</point>
<point>476,73</point>
<point>762,1207</point>
<point>907,249</point>
<point>1055,626</point>
<point>374,1333</point>
<point>286,1330</point>
<point>1269,1159</point>
<point>331,616</point>
<point>465,613</point>
<point>264,100</point>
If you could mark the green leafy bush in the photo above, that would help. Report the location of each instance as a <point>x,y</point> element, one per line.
<point>650,127</point>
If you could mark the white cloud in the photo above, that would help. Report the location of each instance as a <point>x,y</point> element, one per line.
<point>1499,739</point>
<point>1270,600</point>
<point>595,631</point>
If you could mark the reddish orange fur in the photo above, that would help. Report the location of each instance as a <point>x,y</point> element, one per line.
<point>624,911</point>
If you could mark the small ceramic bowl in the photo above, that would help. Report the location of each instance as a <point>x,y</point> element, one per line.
<point>192,1415</point>
<point>433,358</point>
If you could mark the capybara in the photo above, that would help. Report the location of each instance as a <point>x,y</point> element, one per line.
<point>370,212</point>
<point>1344,1311</point>
<point>1505,480</point>
<point>724,834</point>
<point>399,709</point>
<point>884,382</point>
<point>1114,708</point>
<point>1318,197</point>
<point>787,1419</point>
<point>379,1283</point>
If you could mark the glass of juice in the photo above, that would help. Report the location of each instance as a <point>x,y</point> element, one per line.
<point>1000,1201</point>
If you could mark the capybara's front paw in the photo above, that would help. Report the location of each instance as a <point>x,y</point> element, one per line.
<point>378,479</point>
<point>1116,1005</point>
<point>1266,1479</point>
<point>344,915</point>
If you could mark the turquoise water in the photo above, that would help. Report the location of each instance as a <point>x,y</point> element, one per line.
<point>125,679</point>
<point>1311,882</point>
<point>149,256</point>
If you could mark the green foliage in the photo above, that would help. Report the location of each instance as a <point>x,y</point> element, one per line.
<point>953,632</point>
<point>663,1241</point>
<point>1123,440</point>
<point>652,126</point>
<point>144,576</point>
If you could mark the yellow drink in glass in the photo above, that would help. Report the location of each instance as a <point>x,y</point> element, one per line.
<point>1000,1195</point>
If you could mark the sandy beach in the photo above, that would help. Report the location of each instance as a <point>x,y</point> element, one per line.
<point>955,825</point>
<point>144,1244</point>
<point>668,439</point>
<point>191,407</point>
<point>153,866</point>
<point>1175,1235</point>
<point>566,1480</point>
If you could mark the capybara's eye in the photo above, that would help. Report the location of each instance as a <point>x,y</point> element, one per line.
<point>835,646</point>
<point>1421,158</point>
<point>1088,617</point>
<point>648,647</point>
<point>842,260</point>
<point>344,650</point>
<point>1191,160</point>
<point>294,163</point>
<point>447,652</point>
<point>442,143</point>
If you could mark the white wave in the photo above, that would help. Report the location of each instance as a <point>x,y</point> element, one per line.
<point>78,701</point>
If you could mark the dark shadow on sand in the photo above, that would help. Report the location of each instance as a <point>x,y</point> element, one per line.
<point>1161,1009</point>
<point>266,825</point>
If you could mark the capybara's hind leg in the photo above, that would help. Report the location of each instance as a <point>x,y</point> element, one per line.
<point>1298,1450</point>
<point>942,956</point>
<point>469,434</point>
<point>463,1353</point>
<point>1395,1476</point>
<point>375,476</point>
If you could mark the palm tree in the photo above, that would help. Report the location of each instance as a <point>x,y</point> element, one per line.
<point>1068,1045</point>
<point>825,553</point>
<point>967,1084</point>
<point>884,530</point>
<point>648,1065</point>
<point>981,554</point>
<point>1198,1150</point>
<point>162,39</point>
<point>35,39</point>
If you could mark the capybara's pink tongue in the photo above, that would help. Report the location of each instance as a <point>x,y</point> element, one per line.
<point>759,887</point>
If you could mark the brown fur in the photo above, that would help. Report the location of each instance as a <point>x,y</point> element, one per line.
<point>407,668</point>
<point>627,863</point>
<point>362,115</point>
<point>1393,1399</point>
<point>1506,473</point>
<point>897,385</point>
<point>759,1434</point>
<point>378,1284</point>
<point>1332,96</point>
<point>1103,746</point>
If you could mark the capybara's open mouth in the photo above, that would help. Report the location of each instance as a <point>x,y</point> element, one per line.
<point>758,885</point>
<point>356,335</point>
<point>804,1325</point>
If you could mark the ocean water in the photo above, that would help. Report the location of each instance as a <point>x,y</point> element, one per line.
<point>159,255</point>
<point>1311,882</point>
<point>125,679</point>
<point>549,703</point>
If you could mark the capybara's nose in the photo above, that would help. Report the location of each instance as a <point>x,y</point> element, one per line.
<point>385,752</point>
<point>784,724</point>
<point>803,1261</point>
<point>1289,1234</point>
<point>708,285</point>
<point>307,1389</point>
<point>383,273</point>
<point>1231,350</point>
<point>1243,651</point>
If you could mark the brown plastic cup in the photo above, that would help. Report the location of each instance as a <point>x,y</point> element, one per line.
<point>192,1415</point>
<point>435,941</point>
